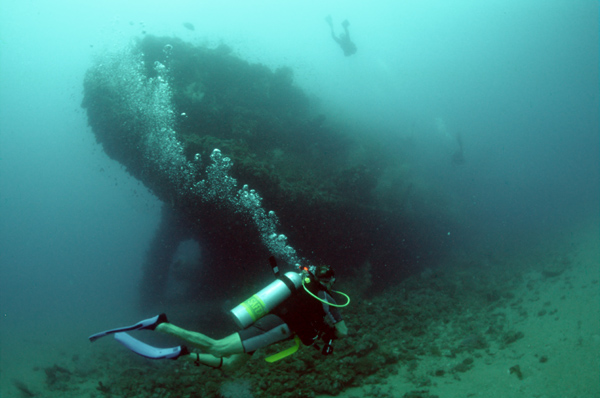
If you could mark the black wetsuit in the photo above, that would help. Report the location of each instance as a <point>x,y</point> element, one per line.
<point>301,315</point>
<point>308,317</point>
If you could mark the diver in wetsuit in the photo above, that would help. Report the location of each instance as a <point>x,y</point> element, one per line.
<point>343,39</point>
<point>309,315</point>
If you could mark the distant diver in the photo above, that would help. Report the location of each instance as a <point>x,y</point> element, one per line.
<point>343,39</point>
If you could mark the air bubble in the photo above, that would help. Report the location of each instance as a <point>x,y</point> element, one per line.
<point>153,116</point>
<point>158,66</point>
<point>216,155</point>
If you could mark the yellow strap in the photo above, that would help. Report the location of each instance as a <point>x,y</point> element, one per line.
<point>285,353</point>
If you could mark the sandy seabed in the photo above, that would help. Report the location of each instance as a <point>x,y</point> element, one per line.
<point>550,298</point>
<point>557,308</point>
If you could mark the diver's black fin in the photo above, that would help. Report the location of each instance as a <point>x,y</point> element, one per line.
<point>148,324</point>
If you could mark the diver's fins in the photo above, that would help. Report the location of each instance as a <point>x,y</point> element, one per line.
<point>148,351</point>
<point>149,324</point>
<point>329,21</point>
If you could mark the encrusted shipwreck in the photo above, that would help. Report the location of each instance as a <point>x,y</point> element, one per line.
<point>161,107</point>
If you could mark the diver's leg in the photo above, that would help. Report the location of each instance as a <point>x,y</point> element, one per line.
<point>196,339</point>
<point>226,363</point>
<point>220,348</point>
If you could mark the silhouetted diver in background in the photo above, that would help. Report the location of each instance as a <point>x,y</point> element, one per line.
<point>344,38</point>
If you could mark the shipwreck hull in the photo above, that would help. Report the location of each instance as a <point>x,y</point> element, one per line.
<point>162,106</point>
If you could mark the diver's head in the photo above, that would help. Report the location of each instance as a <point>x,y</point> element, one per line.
<point>325,275</point>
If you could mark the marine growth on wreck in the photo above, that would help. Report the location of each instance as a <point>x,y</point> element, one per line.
<point>245,163</point>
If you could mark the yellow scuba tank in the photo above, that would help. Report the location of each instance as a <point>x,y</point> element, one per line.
<point>261,303</point>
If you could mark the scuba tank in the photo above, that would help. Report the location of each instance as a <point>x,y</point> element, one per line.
<point>261,303</point>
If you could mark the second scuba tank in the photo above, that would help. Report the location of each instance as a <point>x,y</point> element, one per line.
<point>268,298</point>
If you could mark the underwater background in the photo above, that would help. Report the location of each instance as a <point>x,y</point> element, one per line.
<point>469,128</point>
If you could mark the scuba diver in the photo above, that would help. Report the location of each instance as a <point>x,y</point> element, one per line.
<point>295,306</point>
<point>343,40</point>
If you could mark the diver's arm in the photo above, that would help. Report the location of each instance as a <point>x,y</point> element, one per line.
<point>333,317</point>
<point>341,330</point>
